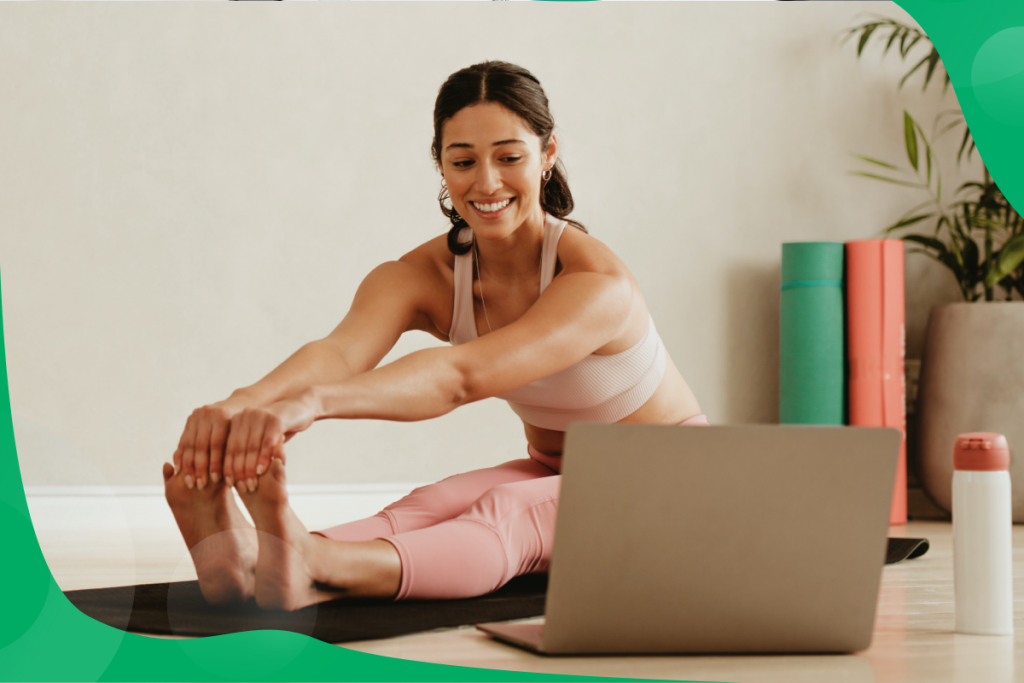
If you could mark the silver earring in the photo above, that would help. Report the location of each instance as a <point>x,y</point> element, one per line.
<point>546,175</point>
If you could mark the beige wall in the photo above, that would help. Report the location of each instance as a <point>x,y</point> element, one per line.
<point>190,192</point>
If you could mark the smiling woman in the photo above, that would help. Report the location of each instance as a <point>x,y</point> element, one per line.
<point>517,94</point>
<point>563,334</point>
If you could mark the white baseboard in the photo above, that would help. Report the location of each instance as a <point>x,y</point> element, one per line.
<point>68,508</point>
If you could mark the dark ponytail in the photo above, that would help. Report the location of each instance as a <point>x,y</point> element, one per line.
<point>520,92</point>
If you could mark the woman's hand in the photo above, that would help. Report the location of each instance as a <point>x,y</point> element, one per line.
<point>258,435</point>
<point>201,448</point>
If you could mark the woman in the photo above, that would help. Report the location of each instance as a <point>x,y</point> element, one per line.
<point>540,314</point>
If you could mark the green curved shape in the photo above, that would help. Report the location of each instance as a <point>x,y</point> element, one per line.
<point>998,76</point>
<point>964,33</point>
<point>23,604</point>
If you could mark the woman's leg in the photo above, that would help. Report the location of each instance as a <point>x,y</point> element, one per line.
<point>295,568</point>
<point>507,532</point>
<point>435,503</point>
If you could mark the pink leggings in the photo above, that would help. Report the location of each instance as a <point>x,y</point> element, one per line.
<point>467,535</point>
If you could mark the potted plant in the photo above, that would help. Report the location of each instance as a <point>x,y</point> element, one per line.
<point>971,378</point>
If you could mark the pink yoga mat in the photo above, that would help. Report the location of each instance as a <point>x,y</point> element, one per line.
<point>876,347</point>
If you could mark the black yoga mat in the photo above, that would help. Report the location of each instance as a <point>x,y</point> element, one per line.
<point>905,549</point>
<point>179,609</point>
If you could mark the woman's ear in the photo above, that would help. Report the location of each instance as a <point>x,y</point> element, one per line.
<point>551,156</point>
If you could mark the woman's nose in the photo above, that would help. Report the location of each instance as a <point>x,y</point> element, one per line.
<point>488,180</point>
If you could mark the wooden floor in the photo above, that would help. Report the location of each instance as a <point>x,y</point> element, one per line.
<point>913,639</point>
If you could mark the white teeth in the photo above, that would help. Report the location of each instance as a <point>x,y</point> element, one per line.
<point>489,208</point>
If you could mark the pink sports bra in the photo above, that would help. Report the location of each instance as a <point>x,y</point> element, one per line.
<point>597,388</point>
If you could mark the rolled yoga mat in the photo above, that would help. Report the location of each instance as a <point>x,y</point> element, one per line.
<point>876,347</point>
<point>812,387</point>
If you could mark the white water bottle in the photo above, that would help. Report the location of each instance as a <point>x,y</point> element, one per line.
<point>982,534</point>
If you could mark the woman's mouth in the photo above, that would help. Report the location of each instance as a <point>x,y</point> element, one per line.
<point>493,209</point>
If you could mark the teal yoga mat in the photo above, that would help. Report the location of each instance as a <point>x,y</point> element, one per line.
<point>812,384</point>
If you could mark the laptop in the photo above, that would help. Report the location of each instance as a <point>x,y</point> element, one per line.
<point>722,539</point>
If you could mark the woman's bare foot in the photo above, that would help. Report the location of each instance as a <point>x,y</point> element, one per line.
<point>295,568</point>
<point>221,541</point>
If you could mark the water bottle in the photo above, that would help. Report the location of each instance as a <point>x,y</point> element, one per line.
<point>982,534</point>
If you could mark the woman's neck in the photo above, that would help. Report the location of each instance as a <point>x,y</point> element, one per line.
<point>515,256</point>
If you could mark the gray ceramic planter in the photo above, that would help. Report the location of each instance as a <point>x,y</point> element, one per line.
<point>972,380</point>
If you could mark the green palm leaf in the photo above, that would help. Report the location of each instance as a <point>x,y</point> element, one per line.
<point>910,138</point>
<point>889,180</point>
<point>876,161</point>
<point>933,60</point>
<point>935,245</point>
<point>1010,258</point>
<point>865,36</point>
<point>902,223</point>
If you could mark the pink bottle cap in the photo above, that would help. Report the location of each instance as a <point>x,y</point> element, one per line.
<point>981,452</point>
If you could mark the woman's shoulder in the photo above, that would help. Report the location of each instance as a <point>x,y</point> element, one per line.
<point>428,278</point>
<point>432,258</point>
<point>582,252</point>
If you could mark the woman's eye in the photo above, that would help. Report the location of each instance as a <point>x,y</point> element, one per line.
<point>461,164</point>
<point>512,158</point>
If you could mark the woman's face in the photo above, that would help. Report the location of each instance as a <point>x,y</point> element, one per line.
<point>492,163</point>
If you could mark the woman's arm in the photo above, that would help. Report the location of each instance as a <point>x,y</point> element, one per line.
<point>578,314</point>
<point>387,303</point>
<point>200,449</point>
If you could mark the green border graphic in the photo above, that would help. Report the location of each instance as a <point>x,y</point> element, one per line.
<point>982,48</point>
<point>981,43</point>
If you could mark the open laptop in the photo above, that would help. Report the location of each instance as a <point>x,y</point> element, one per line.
<point>732,539</point>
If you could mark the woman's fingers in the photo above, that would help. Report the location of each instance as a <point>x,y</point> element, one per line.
<point>238,450</point>
<point>234,453</point>
<point>252,450</point>
<point>211,435</point>
<point>187,445</point>
<point>219,423</point>
<point>264,435</point>
<point>201,456</point>
<point>218,440</point>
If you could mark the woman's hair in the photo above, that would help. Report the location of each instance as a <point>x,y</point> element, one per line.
<point>519,91</point>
